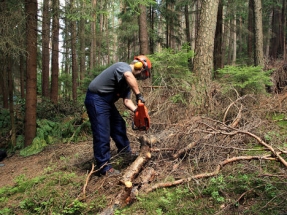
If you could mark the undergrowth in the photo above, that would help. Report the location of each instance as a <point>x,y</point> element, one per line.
<point>50,193</point>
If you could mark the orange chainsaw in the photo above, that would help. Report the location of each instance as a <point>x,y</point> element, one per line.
<point>141,118</point>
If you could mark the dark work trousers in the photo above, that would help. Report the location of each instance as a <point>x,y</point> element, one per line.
<point>106,122</point>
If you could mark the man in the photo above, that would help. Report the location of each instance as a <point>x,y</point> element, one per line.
<point>117,81</point>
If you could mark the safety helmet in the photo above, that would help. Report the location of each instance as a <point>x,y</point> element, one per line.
<point>146,65</point>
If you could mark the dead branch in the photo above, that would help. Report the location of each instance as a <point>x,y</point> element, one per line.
<point>237,119</point>
<point>188,147</point>
<point>161,149</point>
<point>184,150</point>
<point>226,112</point>
<point>209,174</point>
<point>87,180</point>
<point>276,154</point>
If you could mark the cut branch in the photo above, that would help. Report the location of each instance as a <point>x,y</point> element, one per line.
<point>209,174</point>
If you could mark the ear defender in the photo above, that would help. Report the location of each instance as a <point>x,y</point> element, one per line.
<point>138,65</point>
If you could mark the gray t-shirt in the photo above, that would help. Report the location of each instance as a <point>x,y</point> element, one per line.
<point>112,80</point>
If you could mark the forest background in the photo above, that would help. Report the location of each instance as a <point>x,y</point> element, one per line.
<point>224,60</point>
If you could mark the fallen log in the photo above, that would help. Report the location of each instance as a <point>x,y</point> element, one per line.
<point>128,193</point>
<point>145,154</point>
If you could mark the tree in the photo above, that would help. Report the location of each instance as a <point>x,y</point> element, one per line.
<point>204,44</point>
<point>55,52</point>
<point>143,30</point>
<point>74,57</point>
<point>258,33</point>
<point>218,58</point>
<point>45,49</point>
<point>31,85</point>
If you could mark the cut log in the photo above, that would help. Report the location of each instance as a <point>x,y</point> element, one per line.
<point>145,154</point>
<point>129,192</point>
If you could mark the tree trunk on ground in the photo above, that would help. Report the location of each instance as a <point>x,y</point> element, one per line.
<point>45,49</point>
<point>55,53</point>
<point>259,57</point>
<point>31,85</point>
<point>143,30</point>
<point>203,60</point>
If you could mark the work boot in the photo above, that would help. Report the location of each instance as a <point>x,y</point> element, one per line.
<point>111,172</point>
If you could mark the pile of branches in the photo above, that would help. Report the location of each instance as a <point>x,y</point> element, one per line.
<point>191,149</point>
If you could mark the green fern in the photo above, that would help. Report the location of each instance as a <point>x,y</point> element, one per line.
<point>245,79</point>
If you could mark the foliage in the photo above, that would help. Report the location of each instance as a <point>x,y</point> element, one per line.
<point>4,121</point>
<point>245,79</point>
<point>50,192</point>
<point>170,69</point>
<point>50,132</point>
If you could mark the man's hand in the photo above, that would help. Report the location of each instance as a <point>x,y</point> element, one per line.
<point>139,97</point>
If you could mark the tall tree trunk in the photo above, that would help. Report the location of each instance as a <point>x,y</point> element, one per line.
<point>11,102</point>
<point>284,29</point>
<point>234,35</point>
<point>250,42</point>
<point>93,36</point>
<point>203,60</point>
<point>152,24</point>
<point>82,49</point>
<point>275,41</point>
<point>143,30</point>
<point>259,57</point>
<point>188,34</point>
<point>74,57</point>
<point>45,49</point>
<point>22,76</point>
<point>31,85</point>
<point>4,84</point>
<point>218,59</point>
<point>55,53</point>
<point>268,36</point>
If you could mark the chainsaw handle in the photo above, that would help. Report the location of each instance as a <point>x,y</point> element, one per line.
<point>134,127</point>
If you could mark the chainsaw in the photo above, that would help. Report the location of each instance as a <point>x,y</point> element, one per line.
<point>141,118</point>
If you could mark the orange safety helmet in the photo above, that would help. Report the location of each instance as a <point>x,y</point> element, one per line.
<point>146,64</point>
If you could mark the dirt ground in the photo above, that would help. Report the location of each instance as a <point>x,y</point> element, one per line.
<point>34,165</point>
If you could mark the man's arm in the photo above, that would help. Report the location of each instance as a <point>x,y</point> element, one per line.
<point>129,104</point>
<point>132,82</point>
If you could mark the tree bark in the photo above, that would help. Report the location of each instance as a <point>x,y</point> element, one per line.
<point>143,30</point>
<point>93,36</point>
<point>55,53</point>
<point>11,102</point>
<point>82,49</point>
<point>218,58</point>
<point>74,57</point>
<point>31,85</point>
<point>203,60</point>
<point>250,43</point>
<point>45,49</point>
<point>259,57</point>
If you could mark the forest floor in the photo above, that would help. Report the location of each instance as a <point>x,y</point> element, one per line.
<point>189,150</point>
